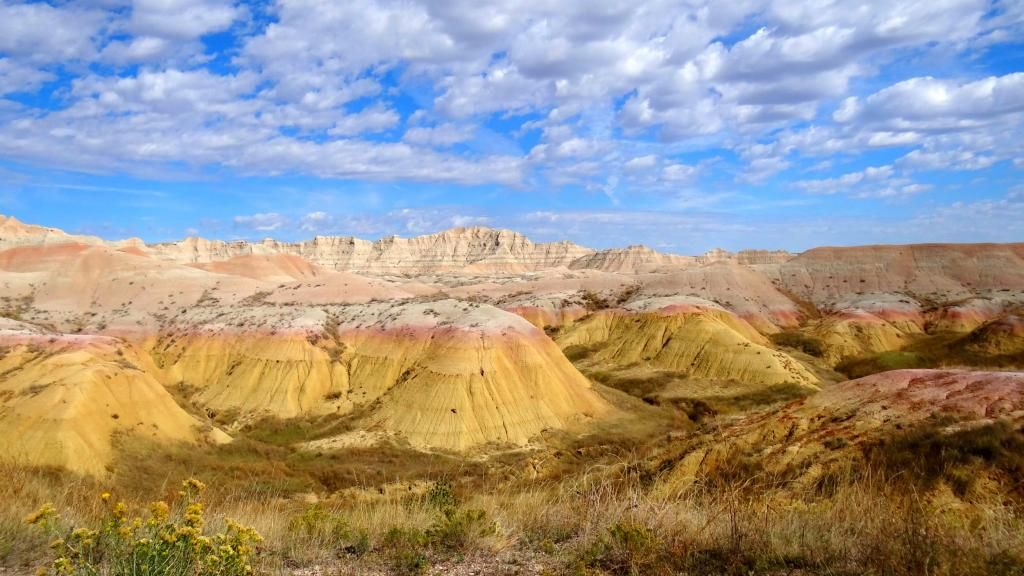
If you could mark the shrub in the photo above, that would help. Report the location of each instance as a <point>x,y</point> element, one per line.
<point>799,341</point>
<point>577,352</point>
<point>442,495</point>
<point>167,542</point>
<point>627,549</point>
<point>404,549</point>
<point>322,529</point>
<point>928,453</point>
<point>882,362</point>
<point>593,301</point>
<point>458,530</point>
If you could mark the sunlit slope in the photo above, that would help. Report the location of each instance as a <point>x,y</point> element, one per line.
<point>687,335</point>
<point>64,399</point>
<point>443,374</point>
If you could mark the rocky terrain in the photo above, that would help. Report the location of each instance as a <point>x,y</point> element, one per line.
<point>439,341</point>
<point>532,361</point>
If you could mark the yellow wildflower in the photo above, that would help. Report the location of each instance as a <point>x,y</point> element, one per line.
<point>63,566</point>
<point>105,496</point>
<point>193,485</point>
<point>159,511</point>
<point>45,512</point>
<point>41,571</point>
<point>83,534</point>
<point>120,510</point>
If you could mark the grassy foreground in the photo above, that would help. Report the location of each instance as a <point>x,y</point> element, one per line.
<point>610,517</point>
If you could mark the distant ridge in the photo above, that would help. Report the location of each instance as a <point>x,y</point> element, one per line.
<point>475,249</point>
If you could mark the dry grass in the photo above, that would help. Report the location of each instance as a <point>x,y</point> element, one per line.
<point>602,505</point>
<point>606,521</point>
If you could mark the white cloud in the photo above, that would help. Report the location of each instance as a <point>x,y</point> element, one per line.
<point>42,34</point>
<point>612,87</point>
<point>17,77</point>
<point>846,182</point>
<point>377,118</point>
<point>945,160</point>
<point>678,172</point>
<point>439,136</point>
<point>263,222</point>
<point>933,104</point>
<point>182,19</point>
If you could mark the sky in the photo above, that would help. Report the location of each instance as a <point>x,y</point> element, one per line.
<point>683,125</point>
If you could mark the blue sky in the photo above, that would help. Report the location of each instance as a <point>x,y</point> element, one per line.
<point>681,125</point>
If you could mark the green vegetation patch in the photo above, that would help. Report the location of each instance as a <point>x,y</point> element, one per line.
<point>883,362</point>
<point>930,453</point>
<point>805,343</point>
<point>759,398</point>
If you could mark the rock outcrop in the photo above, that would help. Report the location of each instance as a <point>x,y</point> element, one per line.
<point>477,249</point>
<point>630,260</point>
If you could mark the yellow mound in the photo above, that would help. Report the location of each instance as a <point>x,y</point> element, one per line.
<point>1003,336</point>
<point>447,374</point>
<point>706,343</point>
<point>855,333</point>
<point>284,376</point>
<point>62,407</point>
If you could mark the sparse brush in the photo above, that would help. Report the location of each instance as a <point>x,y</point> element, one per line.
<point>168,541</point>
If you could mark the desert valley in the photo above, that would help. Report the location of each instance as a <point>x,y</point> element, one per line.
<point>472,402</point>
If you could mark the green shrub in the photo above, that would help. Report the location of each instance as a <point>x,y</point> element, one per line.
<point>774,394</point>
<point>442,495</point>
<point>458,530</point>
<point>327,530</point>
<point>593,301</point>
<point>799,341</point>
<point>882,362</point>
<point>405,550</point>
<point>928,453</point>
<point>577,352</point>
<point>627,549</point>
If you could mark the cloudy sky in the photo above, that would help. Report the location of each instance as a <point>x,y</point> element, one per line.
<point>684,125</point>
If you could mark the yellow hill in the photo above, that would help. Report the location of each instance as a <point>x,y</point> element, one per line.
<point>698,338</point>
<point>445,374</point>
<point>62,403</point>
<point>1002,336</point>
<point>856,333</point>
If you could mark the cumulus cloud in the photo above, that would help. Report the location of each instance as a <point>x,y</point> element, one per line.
<point>930,104</point>
<point>376,118</point>
<point>440,136</point>
<point>540,94</point>
<point>44,34</point>
<point>17,77</point>
<point>263,222</point>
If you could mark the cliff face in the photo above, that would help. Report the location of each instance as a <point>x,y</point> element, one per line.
<point>945,271</point>
<point>476,249</point>
<point>745,257</point>
<point>630,260</point>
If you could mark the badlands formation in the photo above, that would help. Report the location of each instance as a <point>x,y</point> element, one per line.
<point>475,341</point>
